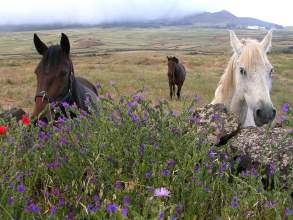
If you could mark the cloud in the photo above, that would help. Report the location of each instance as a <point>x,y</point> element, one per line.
<point>99,11</point>
<point>94,11</point>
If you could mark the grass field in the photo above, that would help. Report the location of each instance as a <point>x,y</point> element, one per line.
<point>131,159</point>
<point>136,58</point>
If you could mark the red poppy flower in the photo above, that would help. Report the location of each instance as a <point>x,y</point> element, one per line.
<point>3,130</point>
<point>25,120</point>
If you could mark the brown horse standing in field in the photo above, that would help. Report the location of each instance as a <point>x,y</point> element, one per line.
<point>176,76</point>
<point>55,78</point>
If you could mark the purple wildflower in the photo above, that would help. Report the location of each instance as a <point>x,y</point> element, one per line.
<point>10,200</point>
<point>148,175</point>
<point>65,105</point>
<point>212,153</point>
<point>281,118</point>
<point>179,209</point>
<point>238,159</point>
<point>53,210</point>
<point>196,168</point>
<point>56,192</point>
<point>285,107</point>
<point>118,185</point>
<point>126,200</point>
<point>32,208</point>
<point>174,130</point>
<point>61,202</point>
<point>216,117</point>
<point>124,212</point>
<point>132,104</point>
<point>43,136</point>
<point>63,141</point>
<point>98,85</point>
<point>161,215</point>
<point>134,118</point>
<point>234,202</point>
<point>11,185</point>
<point>21,188</point>
<point>196,98</point>
<point>165,172</point>
<point>112,83</point>
<point>254,172</point>
<point>53,165</point>
<point>161,192</point>
<point>209,167</point>
<point>207,189</point>
<point>272,168</point>
<point>41,123</point>
<point>61,119</point>
<point>174,114</point>
<point>170,163</point>
<point>245,173</point>
<point>271,204</point>
<point>109,96</point>
<point>137,97</point>
<point>288,212</point>
<point>112,208</point>
<point>96,198</point>
<point>90,207</point>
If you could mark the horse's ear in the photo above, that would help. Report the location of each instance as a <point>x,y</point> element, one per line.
<point>235,42</point>
<point>64,43</point>
<point>39,45</point>
<point>267,41</point>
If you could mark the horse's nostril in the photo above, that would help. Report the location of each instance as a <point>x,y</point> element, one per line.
<point>258,113</point>
<point>274,113</point>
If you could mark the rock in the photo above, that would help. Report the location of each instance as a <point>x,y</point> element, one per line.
<point>223,124</point>
<point>269,148</point>
<point>266,147</point>
<point>13,113</point>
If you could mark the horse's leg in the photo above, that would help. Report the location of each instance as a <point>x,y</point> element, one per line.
<point>171,89</point>
<point>179,90</point>
<point>174,89</point>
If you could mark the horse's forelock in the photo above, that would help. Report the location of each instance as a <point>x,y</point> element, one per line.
<point>252,55</point>
<point>52,58</point>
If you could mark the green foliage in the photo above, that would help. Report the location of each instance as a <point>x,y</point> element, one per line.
<point>99,166</point>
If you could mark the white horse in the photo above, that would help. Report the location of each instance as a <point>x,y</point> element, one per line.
<point>246,84</point>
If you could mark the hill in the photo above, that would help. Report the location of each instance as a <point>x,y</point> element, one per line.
<point>221,19</point>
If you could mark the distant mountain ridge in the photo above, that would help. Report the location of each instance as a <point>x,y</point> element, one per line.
<point>221,19</point>
<point>225,19</point>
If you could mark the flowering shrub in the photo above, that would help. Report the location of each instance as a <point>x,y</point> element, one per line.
<point>127,160</point>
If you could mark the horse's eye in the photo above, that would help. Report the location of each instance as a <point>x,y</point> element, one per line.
<point>243,71</point>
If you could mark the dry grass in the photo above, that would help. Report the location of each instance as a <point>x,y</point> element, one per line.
<point>136,58</point>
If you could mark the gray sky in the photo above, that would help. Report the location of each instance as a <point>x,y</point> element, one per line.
<point>98,11</point>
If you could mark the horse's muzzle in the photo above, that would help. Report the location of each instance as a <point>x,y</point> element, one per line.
<point>264,115</point>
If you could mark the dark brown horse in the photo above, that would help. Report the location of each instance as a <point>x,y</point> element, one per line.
<point>176,76</point>
<point>56,81</point>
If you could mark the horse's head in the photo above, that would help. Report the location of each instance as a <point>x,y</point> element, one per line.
<point>253,78</point>
<point>172,61</point>
<point>54,73</point>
